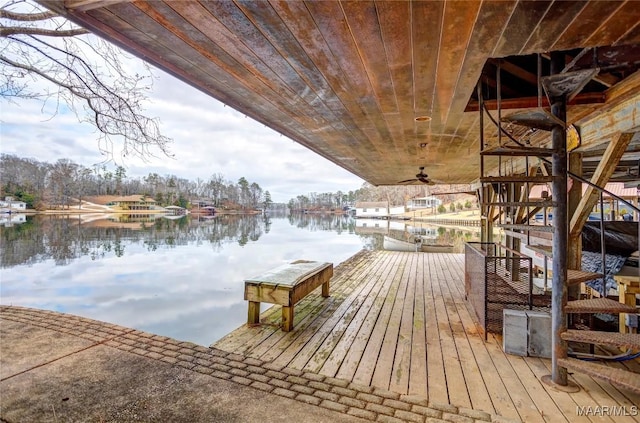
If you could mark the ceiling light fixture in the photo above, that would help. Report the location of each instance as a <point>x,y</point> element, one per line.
<point>423,118</point>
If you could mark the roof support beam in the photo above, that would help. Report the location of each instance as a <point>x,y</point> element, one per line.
<point>531,102</point>
<point>601,176</point>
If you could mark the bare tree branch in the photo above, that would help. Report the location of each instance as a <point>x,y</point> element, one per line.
<point>78,66</point>
<point>26,17</point>
<point>6,31</point>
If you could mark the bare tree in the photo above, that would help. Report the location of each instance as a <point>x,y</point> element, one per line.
<point>44,56</point>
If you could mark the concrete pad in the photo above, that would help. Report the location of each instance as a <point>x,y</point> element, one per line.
<point>105,384</point>
<point>23,346</point>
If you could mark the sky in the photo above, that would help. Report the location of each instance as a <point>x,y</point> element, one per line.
<point>208,138</point>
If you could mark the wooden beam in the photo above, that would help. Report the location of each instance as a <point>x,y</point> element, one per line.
<point>601,176</point>
<point>574,250</point>
<point>519,72</point>
<point>530,102</point>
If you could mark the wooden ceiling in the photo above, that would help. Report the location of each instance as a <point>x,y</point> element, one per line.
<point>383,87</point>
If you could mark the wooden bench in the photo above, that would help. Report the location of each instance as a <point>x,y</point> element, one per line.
<point>286,285</point>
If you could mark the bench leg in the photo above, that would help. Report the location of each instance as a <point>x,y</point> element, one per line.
<point>325,289</point>
<point>287,318</point>
<point>254,313</point>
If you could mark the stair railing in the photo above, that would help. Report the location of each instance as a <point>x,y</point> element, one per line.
<point>600,189</point>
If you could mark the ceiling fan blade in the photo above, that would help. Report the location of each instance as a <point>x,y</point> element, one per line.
<point>406,182</point>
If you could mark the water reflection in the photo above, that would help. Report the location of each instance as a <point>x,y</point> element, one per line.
<point>176,277</point>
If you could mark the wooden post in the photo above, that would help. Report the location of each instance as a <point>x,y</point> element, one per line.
<point>325,289</point>
<point>574,256</point>
<point>254,313</point>
<point>287,318</point>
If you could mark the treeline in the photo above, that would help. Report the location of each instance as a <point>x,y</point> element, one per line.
<point>59,185</point>
<point>396,195</point>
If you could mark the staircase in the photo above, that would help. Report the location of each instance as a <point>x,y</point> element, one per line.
<point>507,205</point>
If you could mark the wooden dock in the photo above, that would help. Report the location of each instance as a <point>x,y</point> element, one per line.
<point>399,321</point>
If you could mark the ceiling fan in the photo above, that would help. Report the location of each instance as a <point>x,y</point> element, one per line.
<point>420,177</point>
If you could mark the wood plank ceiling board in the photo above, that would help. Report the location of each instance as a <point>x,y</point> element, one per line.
<point>344,98</point>
<point>585,23</point>
<point>192,46</point>
<point>556,19</point>
<point>326,114</point>
<point>631,37</point>
<point>490,21</point>
<point>263,60</point>
<point>523,21</point>
<point>348,79</point>
<point>625,17</point>
<point>204,73</point>
<point>457,27</point>
<point>395,30</point>
<point>362,20</point>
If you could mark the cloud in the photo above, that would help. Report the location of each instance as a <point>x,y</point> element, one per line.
<point>209,138</point>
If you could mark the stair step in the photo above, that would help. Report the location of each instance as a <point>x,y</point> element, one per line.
<point>623,340</point>
<point>575,277</point>
<point>532,228</point>
<point>567,83</point>
<point>517,151</point>
<point>598,305</point>
<point>616,376</point>
<point>537,118</point>
<point>540,204</point>
<point>498,179</point>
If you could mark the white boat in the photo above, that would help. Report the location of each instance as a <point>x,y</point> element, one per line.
<point>393,244</point>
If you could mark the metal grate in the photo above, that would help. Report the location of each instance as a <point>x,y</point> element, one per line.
<point>498,278</point>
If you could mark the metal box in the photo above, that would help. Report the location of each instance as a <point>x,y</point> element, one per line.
<point>527,333</point>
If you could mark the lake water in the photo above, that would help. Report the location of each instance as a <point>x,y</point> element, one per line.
<point>182,277</point>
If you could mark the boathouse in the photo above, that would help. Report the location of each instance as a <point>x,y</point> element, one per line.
<point>503,95</point>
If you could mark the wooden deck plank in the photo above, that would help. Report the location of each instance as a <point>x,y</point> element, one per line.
<point>242,342</point>
<point>384,366</point>
<point>336,345</point>
<point>318,328</point>
<point>508,394</point>
<point>437,383</point>
<point>355,354</point>
<point>346,355</point>
<point>584,395</point>
<point>322,342</point>
<point>472,370</point>
<point>476,367</point>
<point>418,370</point>
<point>369,360</point>
<point>456,384</point>
<point>399,381</point>
<point>342,285</point>
<point>543,406</point>
<point>563,400</point>
<point>400,321</point>
<point>599,396</point>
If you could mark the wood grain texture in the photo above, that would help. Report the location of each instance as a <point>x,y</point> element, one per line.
<point>399,321</point>
<point>347,79</point>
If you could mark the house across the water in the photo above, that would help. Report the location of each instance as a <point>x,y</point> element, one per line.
<point>133,202</point>
<point>9,205</point>
<point>372,209</point>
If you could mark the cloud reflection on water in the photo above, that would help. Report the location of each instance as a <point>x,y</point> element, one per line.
<point>190,290</point>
